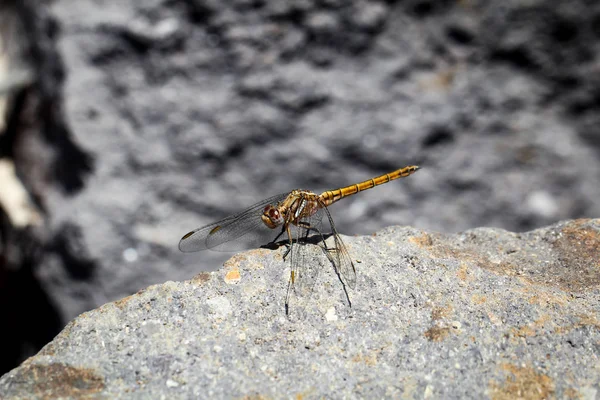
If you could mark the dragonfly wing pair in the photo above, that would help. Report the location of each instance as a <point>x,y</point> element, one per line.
<point>305,255</point>
<point>339,256</point>
<point>246,230</point>
<point>315,249</point>
<point>241,231</point>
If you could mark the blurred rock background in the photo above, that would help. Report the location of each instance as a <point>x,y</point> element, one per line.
<point>127,124</point>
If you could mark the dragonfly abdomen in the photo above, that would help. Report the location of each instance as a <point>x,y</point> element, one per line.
<point>331,196</point>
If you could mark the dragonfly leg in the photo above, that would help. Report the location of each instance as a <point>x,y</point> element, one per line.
<point>287,251</point>
<point>292,277</point>
<point>279,235</point>
<point>289,245</point>
<point>310,228</point>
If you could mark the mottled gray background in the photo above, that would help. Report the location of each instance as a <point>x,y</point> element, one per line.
<point>196,109</point>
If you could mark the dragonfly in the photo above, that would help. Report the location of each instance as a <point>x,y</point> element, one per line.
<point>298,217</point>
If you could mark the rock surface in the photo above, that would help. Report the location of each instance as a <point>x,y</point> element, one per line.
<point>484,313</point>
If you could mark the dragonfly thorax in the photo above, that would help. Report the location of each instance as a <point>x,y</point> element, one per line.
<point>272,217</point>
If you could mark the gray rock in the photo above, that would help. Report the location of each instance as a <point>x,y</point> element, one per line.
<point>483,313</point>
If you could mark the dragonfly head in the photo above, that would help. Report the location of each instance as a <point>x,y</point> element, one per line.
<point>271,216</point>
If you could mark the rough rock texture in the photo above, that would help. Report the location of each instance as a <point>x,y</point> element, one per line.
<point>484,313</point>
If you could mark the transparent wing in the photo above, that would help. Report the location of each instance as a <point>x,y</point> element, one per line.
<point>339,256</point>
<point>241,231</point>
<point>306,258</point>
<point>310,253</point>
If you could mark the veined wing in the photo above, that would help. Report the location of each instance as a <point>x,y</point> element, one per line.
<point>339,256</point>
<point>241,231</point>
<point>306,258</point>
<point>310,253</point>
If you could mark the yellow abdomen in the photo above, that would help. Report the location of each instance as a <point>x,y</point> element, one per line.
<point>331,196</point>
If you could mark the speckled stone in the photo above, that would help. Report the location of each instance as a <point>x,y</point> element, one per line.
<point>484,313</point>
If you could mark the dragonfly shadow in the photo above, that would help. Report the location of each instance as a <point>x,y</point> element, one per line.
<point>315,239</point>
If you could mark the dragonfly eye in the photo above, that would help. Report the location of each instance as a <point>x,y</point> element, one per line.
<point>271,216</point>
